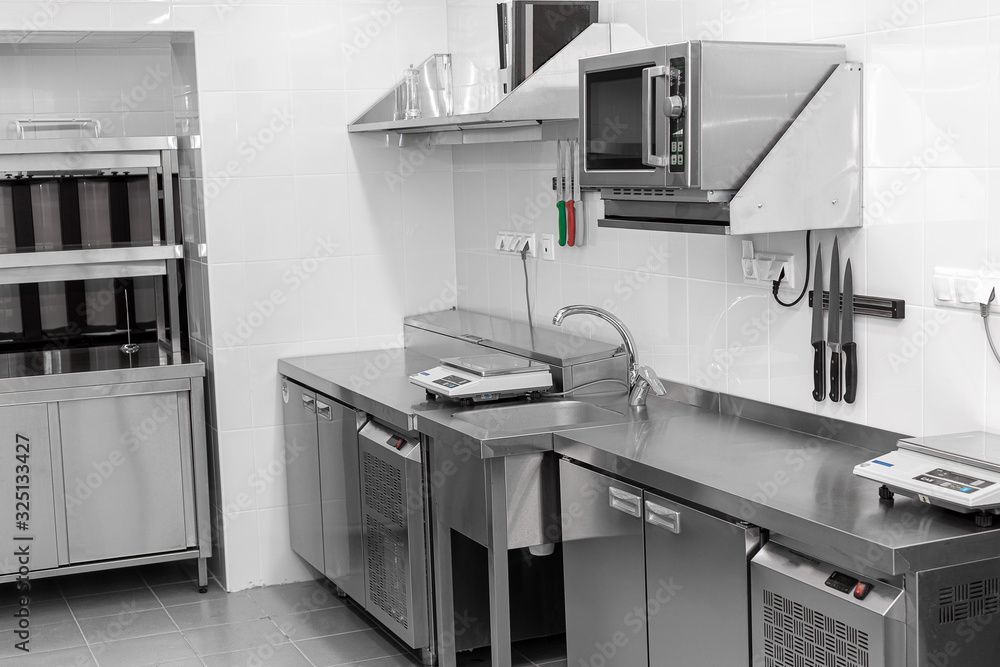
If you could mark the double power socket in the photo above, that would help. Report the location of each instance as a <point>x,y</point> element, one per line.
<point>516,242</point>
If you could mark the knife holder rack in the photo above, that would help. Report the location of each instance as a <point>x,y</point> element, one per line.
<point>872,306</point>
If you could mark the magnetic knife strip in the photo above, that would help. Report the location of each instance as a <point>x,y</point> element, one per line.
<point>872,306</point>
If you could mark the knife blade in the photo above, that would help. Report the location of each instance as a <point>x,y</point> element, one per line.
<point>833,324</point>
<point>847,338</point>
<point>819,345</point>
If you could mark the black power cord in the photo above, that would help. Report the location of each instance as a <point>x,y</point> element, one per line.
<point>776,284</point>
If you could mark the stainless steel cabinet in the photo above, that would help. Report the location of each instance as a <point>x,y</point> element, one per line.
<point>124,470</point>
<point>324,497</point>
<point>650,581</point>
<point>340,494</point>
<point>697,578</point>
<point>603,565</point>
<point>302,465</point>
<point>24,441</point>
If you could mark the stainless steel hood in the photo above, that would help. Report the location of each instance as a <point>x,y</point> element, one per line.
<point>543,107</point>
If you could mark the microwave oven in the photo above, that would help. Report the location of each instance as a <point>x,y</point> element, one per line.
<point>666,128</point>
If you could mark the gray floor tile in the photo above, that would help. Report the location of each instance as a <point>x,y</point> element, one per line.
<point>554,663</point>
<point>97,583</point>
<point>321,622</point>
<point>295,598</point>
<point>543,649</point>
<point>481,658</point>
<point>126,625</point>
<point>42,590</point>
<point>168,573</point>
<point>284,655</point>
<point>43,638</point>
<point>73,657</point>
<point>187,593</point>
<point>230,609</point>
<point>186,662</point>
<point>234,637</point>
<point>106,604</point>
<point>347,648</point>
<point>156,650</point>
<point>39,613</point>
<point>403,660</point>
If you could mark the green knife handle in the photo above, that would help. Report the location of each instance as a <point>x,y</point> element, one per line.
<point>851,372</point>
<point>561,205</point>
<point>819,372</point>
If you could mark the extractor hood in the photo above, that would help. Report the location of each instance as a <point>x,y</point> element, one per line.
<point>544,107</point>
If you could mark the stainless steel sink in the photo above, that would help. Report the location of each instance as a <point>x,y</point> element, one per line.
<point>544,416</point>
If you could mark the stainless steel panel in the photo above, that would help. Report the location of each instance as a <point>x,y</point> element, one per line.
<point>123,478</point>
<point>395,551</point>
<point>798,620</point>
<point>603,565</point>
<point>697,578</point>
<point>302,466</point>
<point>340,491</point>
<point>26,487</point>
<point>957,609</point>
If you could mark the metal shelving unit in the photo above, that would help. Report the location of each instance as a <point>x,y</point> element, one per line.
<point>152,157</point>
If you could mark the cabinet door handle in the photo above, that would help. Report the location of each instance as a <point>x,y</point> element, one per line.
<point>324,411</point>
<point>308,403</point>
<point>663,517</point>
<point>626,502</point>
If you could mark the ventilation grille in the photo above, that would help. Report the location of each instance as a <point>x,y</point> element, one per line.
<point>383,488</point>
<point>797,636</point>
<point>645,193</point>
<point>387,578</point>
<point>971,600</point>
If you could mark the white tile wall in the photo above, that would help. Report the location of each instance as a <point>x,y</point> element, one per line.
<point>932,152</point>
<point>317,242</point>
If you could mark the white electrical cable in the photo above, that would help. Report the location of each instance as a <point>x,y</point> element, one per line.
<point>984,310</point>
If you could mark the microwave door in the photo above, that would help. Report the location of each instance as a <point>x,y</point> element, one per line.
<point>618,113</point>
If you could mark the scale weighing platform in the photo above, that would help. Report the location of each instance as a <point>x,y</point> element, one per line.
<point>960,472</point>
<point>485,377</point>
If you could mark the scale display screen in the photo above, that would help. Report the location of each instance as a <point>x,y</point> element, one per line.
<point>952,480</point>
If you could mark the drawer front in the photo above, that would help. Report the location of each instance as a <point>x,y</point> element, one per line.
<point>122,471</point>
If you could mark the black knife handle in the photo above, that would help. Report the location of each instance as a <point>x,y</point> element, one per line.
<point>835,377</point>
<point>851,372</point>
<point>819,372</point>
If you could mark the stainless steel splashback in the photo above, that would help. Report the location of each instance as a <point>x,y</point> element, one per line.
<point>574,360</point>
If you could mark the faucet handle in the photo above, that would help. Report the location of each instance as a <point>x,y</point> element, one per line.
<point>649,375</point>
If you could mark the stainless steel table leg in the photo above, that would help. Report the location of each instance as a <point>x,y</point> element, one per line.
<point>500,639</point>
<point>202,575</point>
<point>444,617</point>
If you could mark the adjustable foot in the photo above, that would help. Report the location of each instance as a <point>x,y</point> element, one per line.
<point>984,520</point>
<point>203,589</point>
<point>885,494</point>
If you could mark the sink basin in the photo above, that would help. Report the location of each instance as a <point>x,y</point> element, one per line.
<point>544,416</point>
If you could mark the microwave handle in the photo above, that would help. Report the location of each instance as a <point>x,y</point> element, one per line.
<point>649,116</point>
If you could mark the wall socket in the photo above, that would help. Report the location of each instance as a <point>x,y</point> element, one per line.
<point>958,288</point>
<point>515,242</point>
<point>763,268</point>
<point>548,247</point>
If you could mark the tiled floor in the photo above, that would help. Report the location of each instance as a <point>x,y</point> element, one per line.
<point>155,616</point>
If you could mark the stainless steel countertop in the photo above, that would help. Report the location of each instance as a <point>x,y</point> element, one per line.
<point>375,381</point>
<point>800,487</point>
<point>57,369</point>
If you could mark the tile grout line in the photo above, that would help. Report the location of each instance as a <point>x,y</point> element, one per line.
<point>184,637</point>
<point>79,628</point>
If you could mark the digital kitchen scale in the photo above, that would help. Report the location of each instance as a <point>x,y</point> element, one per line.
<point>485,377</point>
<point>960,472</point>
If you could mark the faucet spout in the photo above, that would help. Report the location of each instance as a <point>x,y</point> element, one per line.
<point>640,378</point>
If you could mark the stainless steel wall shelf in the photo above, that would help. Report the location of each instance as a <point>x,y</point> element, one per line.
<point>87,264</point>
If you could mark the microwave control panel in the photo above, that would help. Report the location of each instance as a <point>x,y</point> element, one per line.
<point>678,89</point>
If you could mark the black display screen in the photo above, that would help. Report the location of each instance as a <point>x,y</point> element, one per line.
<point>839,581</point>
<point>614,120</point>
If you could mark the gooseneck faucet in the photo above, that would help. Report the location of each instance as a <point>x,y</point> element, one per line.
<point>640,378</point>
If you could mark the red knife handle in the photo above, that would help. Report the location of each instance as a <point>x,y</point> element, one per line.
<point>851,372</point>
<point>835,376</point>
<point>570,222</point>
<point>819,372</point>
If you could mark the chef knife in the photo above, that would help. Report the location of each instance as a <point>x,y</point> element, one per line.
<point>833,325</point>
<point>819,345</point>
<point>847,338</point>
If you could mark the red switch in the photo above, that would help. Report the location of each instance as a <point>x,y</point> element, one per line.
<point>400,442</point>
<point>862,589</point>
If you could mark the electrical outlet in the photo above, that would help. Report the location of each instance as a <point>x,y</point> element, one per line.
<point>958,288</point>
<point>515,242</point>
<point>763,268</point>
<point>548,247</point>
